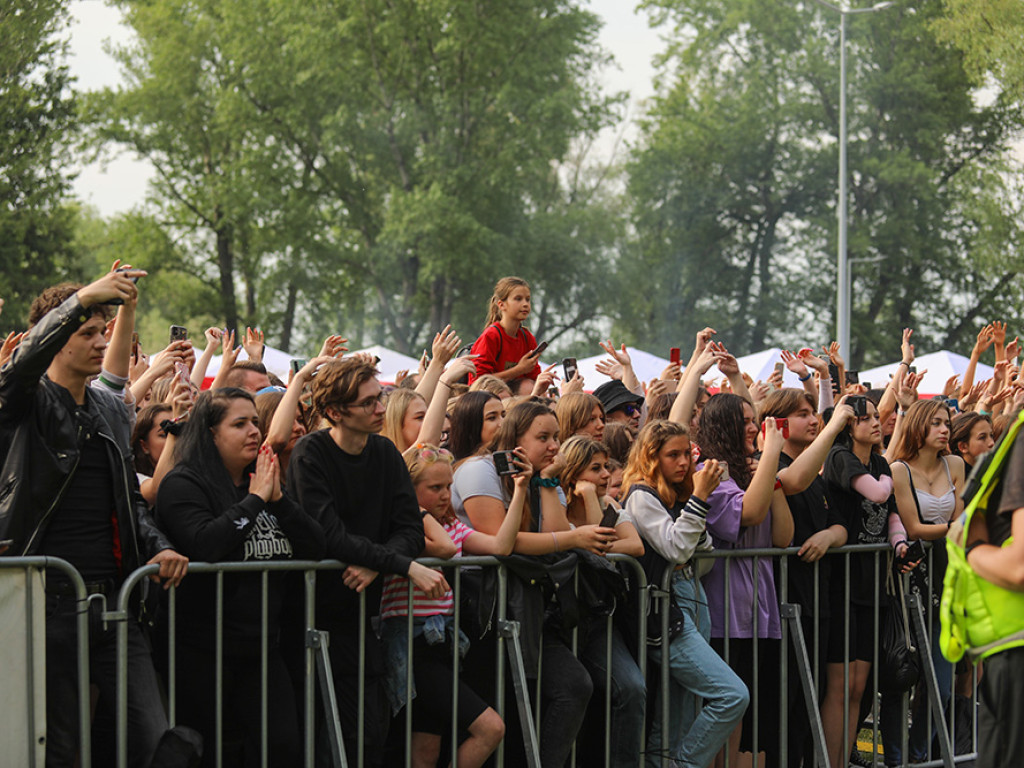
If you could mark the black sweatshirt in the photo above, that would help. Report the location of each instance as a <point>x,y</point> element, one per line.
<point>250,529</point>
<point>367,508</point>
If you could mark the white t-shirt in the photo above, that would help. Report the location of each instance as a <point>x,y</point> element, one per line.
<point>477,476</point>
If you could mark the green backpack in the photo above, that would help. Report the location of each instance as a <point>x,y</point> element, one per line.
<point>978,617</point>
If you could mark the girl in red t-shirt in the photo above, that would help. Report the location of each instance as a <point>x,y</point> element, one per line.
<point>506,348</point>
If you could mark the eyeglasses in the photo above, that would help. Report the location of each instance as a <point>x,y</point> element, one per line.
<point>369,405</point>
<point>631,410</point>
<point>430,454</point>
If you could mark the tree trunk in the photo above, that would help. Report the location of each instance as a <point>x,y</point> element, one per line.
<point>289,317</point>
<point>226,265</point>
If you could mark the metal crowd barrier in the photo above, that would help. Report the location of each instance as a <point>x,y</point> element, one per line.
<point>792,635</point>
<point>84,721</point>
<point>509,660</point>
<point>317,661</point>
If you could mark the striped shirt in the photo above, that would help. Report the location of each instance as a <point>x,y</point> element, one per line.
<point>395,600</point>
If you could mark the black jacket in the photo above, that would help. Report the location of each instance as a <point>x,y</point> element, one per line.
<point>41,441</point>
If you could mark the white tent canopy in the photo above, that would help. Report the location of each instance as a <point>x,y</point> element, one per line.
<point>939,366</point>
<point>645,365</point>
<point>760,365</point>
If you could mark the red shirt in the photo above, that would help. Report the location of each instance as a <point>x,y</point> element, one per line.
<point>498,351</point>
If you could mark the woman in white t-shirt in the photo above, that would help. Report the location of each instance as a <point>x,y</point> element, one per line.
<point>481,497</point>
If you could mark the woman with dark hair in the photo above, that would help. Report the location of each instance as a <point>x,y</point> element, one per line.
<point>480,497</point>
<point>748,510</point>
<point>223,502</point>
<point>154,435</point>
<point>971,437</point>
<point>475,420</point>
<point>860,488</point>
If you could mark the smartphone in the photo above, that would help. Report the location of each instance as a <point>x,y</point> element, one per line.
<point>540,348</point>
<point>833,374</point>
<point>505,462</point>
<point>297,364</point>
<point>866,384</point>
<point>914,552</point>
<point>135,346</point>
<point>673,355</point>
<point>859,403</point>
<point>570,367</point>
<point>178,333</point>
<point>725,471</point>
<point>783,426</point>
<point>853,377</point>
<point>912,368</point>
<point>117,302</point>
<point>780,367</point>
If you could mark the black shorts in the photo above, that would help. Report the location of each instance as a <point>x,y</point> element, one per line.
<point>861,631</point>
<point>432,707</point>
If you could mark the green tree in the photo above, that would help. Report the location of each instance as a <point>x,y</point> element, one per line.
<point>991,35</point>
<point>734,186</point>
<point>37,116</point>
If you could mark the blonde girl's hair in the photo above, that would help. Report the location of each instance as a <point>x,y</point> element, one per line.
<point>422,455</point>
<point>502,290</point>
<point>916,424</point>
<point>573,411</point>
<point>491,383</point>
<point>643,467</point>
<point>394,414</point>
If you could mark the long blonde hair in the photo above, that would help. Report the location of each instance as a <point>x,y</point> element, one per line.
<point>502,290</point>
<point>394,415</point>
<point>644,468</point>
<point>916,424</point>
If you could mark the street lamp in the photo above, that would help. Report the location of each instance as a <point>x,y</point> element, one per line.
<point>842,267</point>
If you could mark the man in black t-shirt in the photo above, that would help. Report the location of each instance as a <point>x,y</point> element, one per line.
<point>1001,690</point>
<point>817,528</point>
<point>355,483</point>
<point>67,490</point>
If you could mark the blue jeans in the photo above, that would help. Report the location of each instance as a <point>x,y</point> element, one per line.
<point>628,691</point>
<point>695,670</point>
<point>147,720</point>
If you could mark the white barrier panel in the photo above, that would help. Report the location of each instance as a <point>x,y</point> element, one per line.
<point>22,659</point>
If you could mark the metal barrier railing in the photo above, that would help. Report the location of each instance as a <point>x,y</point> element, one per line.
<point>317,661</point>
<point>924,625</point>
<point>508,652</point>
<point>82,622</point>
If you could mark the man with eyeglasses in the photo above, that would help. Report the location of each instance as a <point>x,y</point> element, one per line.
<point>355,483</point>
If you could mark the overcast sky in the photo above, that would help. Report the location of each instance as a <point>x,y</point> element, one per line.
<point>122,183</point>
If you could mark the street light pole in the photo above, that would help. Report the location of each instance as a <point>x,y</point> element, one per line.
<point>843,282</point>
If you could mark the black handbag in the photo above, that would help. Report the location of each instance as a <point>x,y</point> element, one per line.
<point>899,667</point>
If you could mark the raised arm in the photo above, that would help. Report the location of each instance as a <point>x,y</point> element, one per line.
<point>621,356</point>
<point>280,430</point>
<point>433,420</point>
<point>758,498</point>
<point>203,362</point>
<point>444,347</point>
<point>800,474</point>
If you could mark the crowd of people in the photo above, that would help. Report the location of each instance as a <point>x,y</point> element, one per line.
<point>113,460</point>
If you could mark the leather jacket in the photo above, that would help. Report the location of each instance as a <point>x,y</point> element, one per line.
<point>40,439</point>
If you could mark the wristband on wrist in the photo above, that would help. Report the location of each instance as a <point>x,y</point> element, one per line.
<point>545,482</point>
<point>554,540</point>
<point>172,426</point>
<point>805,378</point>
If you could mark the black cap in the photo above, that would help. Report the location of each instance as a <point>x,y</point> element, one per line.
<point>614,394</point>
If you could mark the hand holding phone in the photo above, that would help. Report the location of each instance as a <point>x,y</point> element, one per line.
<point>505,462</point>
<point>781,424</point>
<point>673,356</point>
<point>570,367</point>
<point>178,333</point>
<point>540,349</point>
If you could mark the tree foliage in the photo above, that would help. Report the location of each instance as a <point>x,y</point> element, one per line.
<point>381,163</point>
<point>734,183</point>
<point>37,115</point>
<point>991,35</point>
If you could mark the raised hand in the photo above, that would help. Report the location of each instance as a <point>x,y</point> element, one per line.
<point>795,363</point>
<point>951,386</point>
<point>545,380</point>
<point>253,344</point>
<point>213,336</point>
<point>999,333</point>
<point>621,356</point>
<point>113,286</point>
<point>832,350</point>
<point>445,345</point>
<point>703,337</point>
<point>707,478</point>
<point>906,347</point>
<point>333,346</point>
<point>609,368</point>
<point>10,344</point>
<point>985,339</point>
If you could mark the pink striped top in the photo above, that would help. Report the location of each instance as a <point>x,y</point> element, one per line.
<point>395,600</point>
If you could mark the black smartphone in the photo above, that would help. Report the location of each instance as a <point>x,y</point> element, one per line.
<point>570,367</point>
<point>853,377</point>
<point>178,333</point>
<point>505,462</point>
<point>118,302</point>
<point>833,373</point>
<point>911,369</point>
<point>859,403</point>
<point>297,364</point>
<point>914,552</point>
<point>540,348</point>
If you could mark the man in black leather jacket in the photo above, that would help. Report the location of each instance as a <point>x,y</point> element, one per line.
<point>68,489</point>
